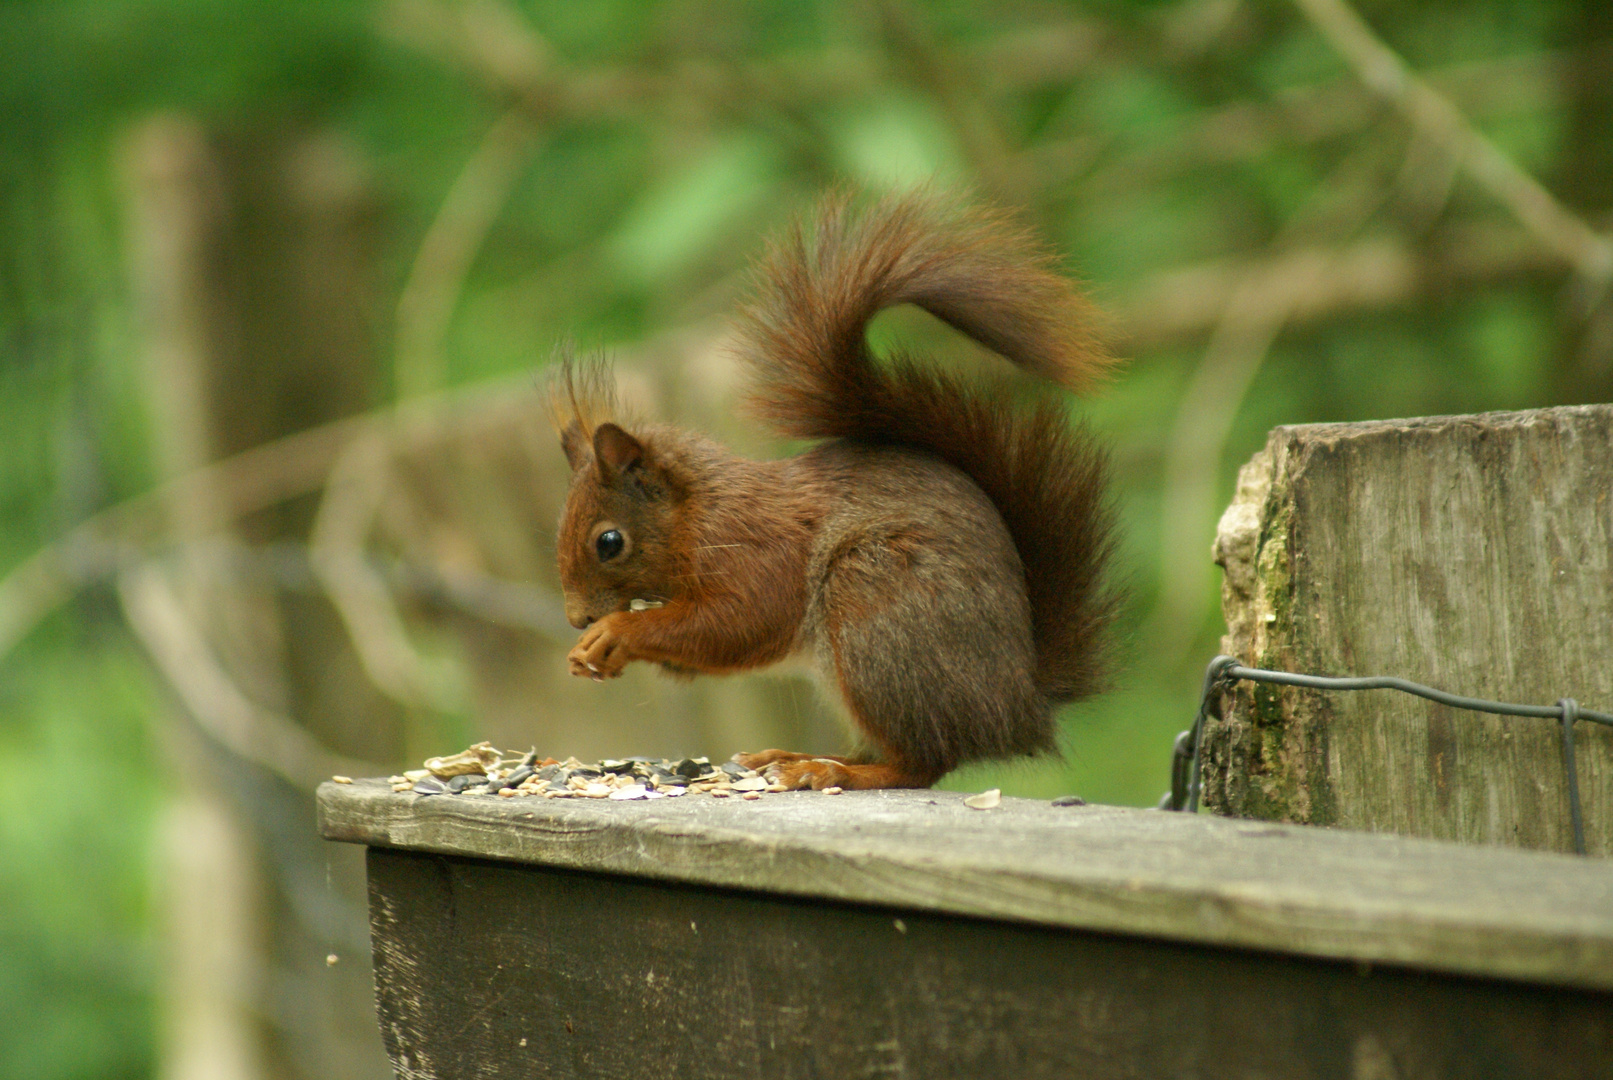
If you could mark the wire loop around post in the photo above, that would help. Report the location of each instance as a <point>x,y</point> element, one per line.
<point>1188,753</point>
<point>1570,709</point>
<point>1187,758</point>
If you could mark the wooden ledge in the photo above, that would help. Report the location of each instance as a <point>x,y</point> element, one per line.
<point>1483,911</point>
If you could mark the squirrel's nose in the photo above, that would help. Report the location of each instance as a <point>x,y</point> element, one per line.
<point>578,617</point>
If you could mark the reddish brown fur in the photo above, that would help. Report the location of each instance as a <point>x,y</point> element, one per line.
<point>942,553</point>
<point>691,508</point>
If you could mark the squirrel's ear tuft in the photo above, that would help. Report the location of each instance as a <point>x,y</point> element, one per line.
<point>574,443</point>
<point>615,451</point>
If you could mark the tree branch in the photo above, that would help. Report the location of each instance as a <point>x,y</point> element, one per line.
<point>218,705</point>
<point>353,495</point>
<point>1384,72</point>
<point>251,481</point>
<point>427,301</point>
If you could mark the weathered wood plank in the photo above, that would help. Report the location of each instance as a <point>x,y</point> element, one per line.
<point>1322,893</point>
<point>1470,553</point>
<point>502,970</point>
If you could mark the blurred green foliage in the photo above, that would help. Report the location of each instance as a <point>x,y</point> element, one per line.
<point>1169,135</point>
<point>77,952</point>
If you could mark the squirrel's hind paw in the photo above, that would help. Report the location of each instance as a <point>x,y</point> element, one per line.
<point>763,758</point>
<point>820,773</point>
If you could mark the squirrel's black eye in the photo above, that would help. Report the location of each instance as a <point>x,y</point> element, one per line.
<point>609,545</point>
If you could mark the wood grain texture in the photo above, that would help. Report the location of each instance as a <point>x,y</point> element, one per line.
<point>1322,893</point>
<point>1469,553</point>
<point>501,970</point>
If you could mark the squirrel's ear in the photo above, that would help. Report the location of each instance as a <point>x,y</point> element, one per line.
<point>573,443</point>
<point>615,451</point>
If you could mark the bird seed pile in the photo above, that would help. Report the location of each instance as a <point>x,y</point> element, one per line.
<point>484,770</point>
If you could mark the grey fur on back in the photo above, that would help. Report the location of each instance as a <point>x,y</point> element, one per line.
<point>920,613</point>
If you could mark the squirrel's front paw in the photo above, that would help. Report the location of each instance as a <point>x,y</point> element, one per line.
<point>599,654</point>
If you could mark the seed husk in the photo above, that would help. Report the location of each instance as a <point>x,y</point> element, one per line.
<point>986,800</point>
<point>479,758</point>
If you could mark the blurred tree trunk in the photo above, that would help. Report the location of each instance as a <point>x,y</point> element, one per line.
<point>1585,370</point>
<point>250,260</point>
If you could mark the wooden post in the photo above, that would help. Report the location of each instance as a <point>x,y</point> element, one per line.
<point>1470,553</point>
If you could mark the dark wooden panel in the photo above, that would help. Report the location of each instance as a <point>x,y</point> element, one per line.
<point>496,970</point>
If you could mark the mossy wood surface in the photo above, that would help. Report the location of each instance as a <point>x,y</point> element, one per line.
<point>1486,912</point>
<point>1470,553</point>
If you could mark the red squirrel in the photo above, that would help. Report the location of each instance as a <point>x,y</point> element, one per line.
<point>940,553</point>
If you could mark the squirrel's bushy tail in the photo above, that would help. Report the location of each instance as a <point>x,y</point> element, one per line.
<point>804,338</point>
